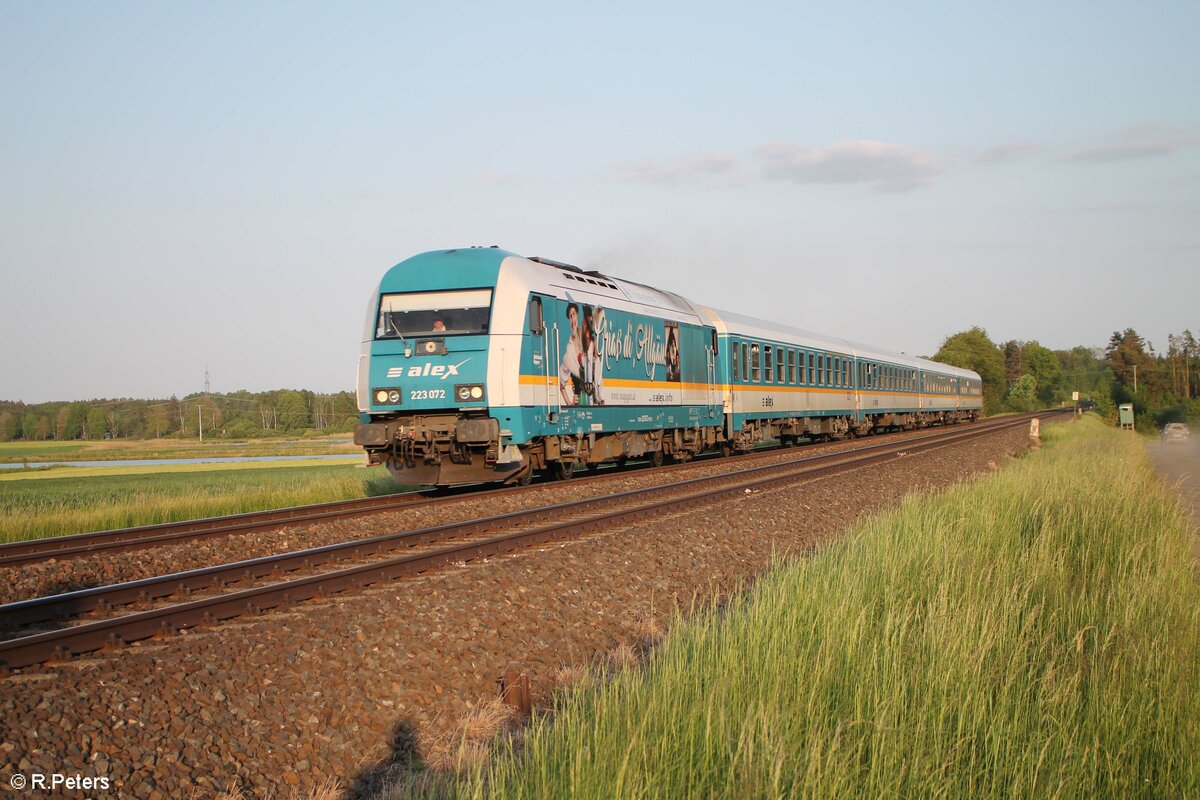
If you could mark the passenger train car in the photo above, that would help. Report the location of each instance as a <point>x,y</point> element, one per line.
<point>481,365</point>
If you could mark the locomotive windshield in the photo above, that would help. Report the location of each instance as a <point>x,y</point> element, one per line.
<point>426,313</point>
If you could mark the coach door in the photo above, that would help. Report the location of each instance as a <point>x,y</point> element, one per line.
<point>713,397</point>
<point>863,380</point>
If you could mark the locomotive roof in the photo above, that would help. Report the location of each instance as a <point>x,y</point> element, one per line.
<point>481,266</point>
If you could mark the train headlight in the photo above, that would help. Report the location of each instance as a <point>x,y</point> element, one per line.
<point>386,397</point>
<point>468,392</point>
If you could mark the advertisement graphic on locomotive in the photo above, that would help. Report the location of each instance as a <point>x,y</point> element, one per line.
<point>481,365</point>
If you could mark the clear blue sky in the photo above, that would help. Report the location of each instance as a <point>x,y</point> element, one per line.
<point>183,183</point>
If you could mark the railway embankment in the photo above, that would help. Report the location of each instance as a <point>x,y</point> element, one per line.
<point>1033,634</point>
<point>368,688</point>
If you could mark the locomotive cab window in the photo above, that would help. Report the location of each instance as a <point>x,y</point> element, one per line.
<point>427,313</point>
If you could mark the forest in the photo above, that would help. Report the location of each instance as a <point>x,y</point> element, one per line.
<point>237,415</point>
<point>1020,376</point>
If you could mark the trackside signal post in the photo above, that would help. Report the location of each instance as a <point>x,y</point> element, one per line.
<point>1125,412</point>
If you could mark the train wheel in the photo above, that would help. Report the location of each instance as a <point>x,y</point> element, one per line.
<point>656,458</point>
<point>726,450</point>
<point>526,477</point>
<point>563,470</point>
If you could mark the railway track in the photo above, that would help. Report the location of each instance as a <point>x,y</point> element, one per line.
<point>364,562</point>
<point>82,545</point>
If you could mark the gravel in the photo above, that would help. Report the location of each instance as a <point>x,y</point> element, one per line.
<point>354,687</point>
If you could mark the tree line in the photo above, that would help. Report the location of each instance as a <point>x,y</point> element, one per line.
<point>237,415</point>
<point>1019,376</point>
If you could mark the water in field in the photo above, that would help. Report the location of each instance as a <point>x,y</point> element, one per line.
<point>159,462</point>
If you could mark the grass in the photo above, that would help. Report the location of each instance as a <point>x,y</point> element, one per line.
<point>68,500</point>
<point>1033,634</point>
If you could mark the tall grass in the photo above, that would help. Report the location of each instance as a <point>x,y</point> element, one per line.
<point>51,506</point>
<point>1033,634</point>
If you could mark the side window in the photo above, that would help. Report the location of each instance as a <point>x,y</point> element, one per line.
<point>812,373</point>
<point>737,351</point>
<point>535,315</point>
<point>755,369</point>
<point>745,362</point>
<point>780,367</point>
<point>768,353</point>
<point>791,366</point>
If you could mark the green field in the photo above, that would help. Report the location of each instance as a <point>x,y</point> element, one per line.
<point>77,499</point>
<point>1032,634</point>
<point>112,450</point>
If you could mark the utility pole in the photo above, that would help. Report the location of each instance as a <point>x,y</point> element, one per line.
<point>200,419</point>
<point>1135,378</point>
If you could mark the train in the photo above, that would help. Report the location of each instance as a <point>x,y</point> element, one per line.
<point>481,365</point>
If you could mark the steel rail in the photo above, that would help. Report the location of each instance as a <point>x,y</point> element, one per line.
<point>86,637</point>
<point>81,545</point>
<point>39,609</point>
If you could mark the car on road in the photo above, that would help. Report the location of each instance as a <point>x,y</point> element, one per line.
<point>1175,432</point>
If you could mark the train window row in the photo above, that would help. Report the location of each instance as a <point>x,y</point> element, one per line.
<point>886,377</point>
<point>940,384</point>
<point>754,362</point>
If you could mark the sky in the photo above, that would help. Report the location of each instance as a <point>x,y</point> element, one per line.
<point>221,185</point>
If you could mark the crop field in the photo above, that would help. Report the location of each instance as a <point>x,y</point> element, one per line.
<point>77,499</point>
<point>111,450</point>
<point>1032,634</point>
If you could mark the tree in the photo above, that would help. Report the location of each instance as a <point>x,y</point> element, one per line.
<point>9,425</point>
<point>293,413</point>
<point>1014,360</point>
<point>1133,368</point>
<point>1022,396</point>
<point>96,423</point>
<point>973,350</point>
<point>1043,365</point>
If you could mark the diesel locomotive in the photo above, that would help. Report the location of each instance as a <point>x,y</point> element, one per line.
<point>480,365</point>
